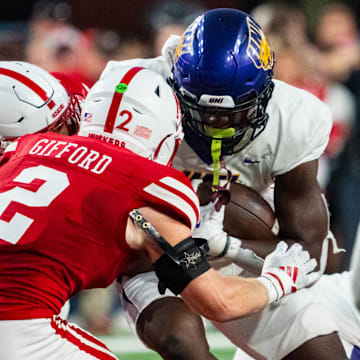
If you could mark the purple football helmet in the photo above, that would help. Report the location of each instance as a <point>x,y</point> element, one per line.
<point>222,74</point>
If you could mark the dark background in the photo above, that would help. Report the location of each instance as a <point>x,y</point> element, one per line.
<point>127,16</point>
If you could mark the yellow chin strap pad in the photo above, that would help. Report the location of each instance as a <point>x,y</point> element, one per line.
<point>217,134</point>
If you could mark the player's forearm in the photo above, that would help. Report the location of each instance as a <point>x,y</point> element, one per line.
<point>225,298</point>
<point>259,247</point>
<point>301,208</point>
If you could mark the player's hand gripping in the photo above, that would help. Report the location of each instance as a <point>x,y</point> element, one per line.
<point>220,244</point>
<point>287,270</point>
<point>210,228</point>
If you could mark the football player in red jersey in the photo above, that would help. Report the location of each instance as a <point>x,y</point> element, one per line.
<point>67,220</point>
<point>22,114</point>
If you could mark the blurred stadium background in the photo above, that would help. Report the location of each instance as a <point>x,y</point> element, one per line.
<point>319,53</point>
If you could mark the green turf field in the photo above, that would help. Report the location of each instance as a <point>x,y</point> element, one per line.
<point>219,354</point>
<point>126,346</point>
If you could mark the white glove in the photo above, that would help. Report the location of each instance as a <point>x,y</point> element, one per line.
<point>210,228</point>
<point>287,270</point>
<point>221,244</point>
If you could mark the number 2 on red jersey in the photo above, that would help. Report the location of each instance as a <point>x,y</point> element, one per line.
<point>55,182</point>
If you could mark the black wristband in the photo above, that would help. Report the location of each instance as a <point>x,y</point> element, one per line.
<point>191,258</point>
<point>171,275</point>
<point>176,277</point>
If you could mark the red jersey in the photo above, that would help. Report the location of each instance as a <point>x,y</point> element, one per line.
<point>64,205</point>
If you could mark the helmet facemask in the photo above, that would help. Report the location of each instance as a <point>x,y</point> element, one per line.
<point>69,117</point>
<point>234,127</point>
<point>77,92</point>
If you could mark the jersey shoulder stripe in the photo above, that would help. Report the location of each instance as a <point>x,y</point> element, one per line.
<point>11,147</point>
<point>178,185</point>
<point>178,195</point>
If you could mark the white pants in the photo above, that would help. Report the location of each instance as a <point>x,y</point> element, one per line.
<point>49,339</point>
<point>280,328</point>
<point>334,299</point>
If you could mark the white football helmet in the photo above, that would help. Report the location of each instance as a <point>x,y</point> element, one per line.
<point>32,100</point>
<point>134,108</point>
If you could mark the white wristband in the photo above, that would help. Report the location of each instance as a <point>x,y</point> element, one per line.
<point>273,291</point>
<point>218,244</point>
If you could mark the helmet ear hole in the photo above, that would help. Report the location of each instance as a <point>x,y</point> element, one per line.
<point>157,91</point>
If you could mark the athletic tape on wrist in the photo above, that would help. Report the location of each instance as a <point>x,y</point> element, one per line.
<point>268,281</point>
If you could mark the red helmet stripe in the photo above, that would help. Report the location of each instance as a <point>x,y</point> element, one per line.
<point>116,100</point>
<point>29,83</point>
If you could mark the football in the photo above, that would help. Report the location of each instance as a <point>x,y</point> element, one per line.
<point>247,215</point>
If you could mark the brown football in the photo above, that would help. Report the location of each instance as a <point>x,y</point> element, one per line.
<point>247,215</point>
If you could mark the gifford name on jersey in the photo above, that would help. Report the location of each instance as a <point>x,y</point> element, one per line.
<point>76,154</point>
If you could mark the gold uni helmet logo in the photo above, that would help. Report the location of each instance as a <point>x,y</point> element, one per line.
<point>185,45</point>
<point>258,48</point>
<point>179,47</point>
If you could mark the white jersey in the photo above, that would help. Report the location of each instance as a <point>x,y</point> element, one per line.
<point>297,132</point>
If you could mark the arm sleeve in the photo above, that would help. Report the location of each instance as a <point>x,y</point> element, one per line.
<point>304,135</point>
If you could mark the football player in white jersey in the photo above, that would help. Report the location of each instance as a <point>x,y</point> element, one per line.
<point>269,136</point>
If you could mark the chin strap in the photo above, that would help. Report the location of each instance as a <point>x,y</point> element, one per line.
<point>215,154</point>
<point>216,143</point>
<point>221,195</point>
